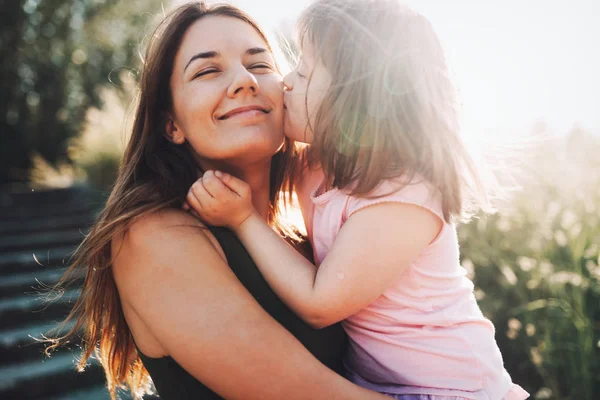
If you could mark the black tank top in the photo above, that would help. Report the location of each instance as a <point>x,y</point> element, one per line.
<point>172,382</point>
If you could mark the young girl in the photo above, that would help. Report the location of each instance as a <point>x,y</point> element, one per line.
<point>380,185</point>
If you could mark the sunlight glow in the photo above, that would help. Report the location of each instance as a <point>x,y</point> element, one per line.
<point>516,63</point>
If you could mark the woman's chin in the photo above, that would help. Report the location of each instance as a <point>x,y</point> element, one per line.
<point>260,147</point>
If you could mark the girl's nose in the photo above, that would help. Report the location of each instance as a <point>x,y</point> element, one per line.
<point>288,83</point>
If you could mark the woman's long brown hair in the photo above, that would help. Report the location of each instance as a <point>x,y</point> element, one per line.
<point>154,174</point>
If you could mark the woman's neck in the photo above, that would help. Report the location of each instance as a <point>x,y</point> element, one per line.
<point>257,176</point>
<point>259,179</point>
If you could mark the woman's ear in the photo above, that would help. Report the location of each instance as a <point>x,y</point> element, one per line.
<point>172,131</point>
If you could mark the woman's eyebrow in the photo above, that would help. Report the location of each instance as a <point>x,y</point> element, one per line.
<point>212,54</point>
<point>203,55</point>
<point>256,50</point>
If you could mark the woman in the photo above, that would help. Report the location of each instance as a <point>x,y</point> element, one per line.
<point>162,291</point>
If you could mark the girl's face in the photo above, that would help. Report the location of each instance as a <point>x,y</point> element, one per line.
<point>306,87</point>
<point>227,94</point>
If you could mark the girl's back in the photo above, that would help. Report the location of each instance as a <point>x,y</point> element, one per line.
<point>426,332</point>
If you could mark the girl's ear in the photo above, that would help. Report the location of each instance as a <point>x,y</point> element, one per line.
<point>172,131</point>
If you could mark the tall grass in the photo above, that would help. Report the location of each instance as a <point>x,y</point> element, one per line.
<point>535,265</point>
<point>97,151</point>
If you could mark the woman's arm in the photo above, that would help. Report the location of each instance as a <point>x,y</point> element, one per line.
<point>168,270</point>
<point>371,251</point>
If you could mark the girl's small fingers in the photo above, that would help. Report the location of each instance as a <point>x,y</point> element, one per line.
<point>195,214</point>
<point>205,177</point>
<point>236,185</point>
<point>215,187</point>
<point>192,201</point>
<point>195,205</point>
<point>195,195</point>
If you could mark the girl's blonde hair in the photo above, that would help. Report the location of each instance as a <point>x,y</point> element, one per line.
<point>392,110</point>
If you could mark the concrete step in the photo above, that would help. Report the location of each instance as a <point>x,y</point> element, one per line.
<point>39,231</point>
<point>47,377</point>
<point>29,282</point>
<point>33,282</point>
<point>36,259</point>
<point>31,197</point>
<point>98,393</point>
<point>27,309</point>
<point>41,240</point>
<point>22,343</point>
<point>92,393</point>
<point>75,219</point>
<point>56,378</point>
<point>22,213</point>
<point>18,348</point>
<point>31,200</point>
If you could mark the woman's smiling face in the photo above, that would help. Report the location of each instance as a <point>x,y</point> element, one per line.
<point>227,94</point>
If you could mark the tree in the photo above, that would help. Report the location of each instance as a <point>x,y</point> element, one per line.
<point>55,55</point>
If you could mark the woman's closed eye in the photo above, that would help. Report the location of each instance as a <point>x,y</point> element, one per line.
<point>260,67</point>
<point>205,72</point>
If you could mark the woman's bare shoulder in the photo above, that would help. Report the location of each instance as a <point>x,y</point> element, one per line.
<point>160,222</point>
<point>156,235</point>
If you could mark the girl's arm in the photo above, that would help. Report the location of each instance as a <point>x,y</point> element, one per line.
<point>371,251</point>
<point>169,272</point>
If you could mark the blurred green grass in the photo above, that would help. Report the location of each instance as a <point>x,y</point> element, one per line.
<point>535,268</point>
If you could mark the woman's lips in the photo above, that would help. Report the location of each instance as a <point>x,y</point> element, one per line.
<point>245,111</point>
<point>247,114</point>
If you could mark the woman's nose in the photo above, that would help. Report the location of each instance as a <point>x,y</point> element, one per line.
<point>243,82</point>
<point>288,83</point>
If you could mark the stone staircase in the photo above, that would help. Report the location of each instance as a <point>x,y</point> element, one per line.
<point>38,233</point>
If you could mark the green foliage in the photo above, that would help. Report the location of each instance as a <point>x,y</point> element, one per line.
<point>97,151</point>
<point>55,55</point>
<point>535,268</point>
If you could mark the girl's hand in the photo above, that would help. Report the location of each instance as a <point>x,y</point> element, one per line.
<point>220,199</point>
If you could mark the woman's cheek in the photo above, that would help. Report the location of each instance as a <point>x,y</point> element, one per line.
<point>273,84</point>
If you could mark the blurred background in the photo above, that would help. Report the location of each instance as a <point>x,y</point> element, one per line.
<point>528,79</point>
